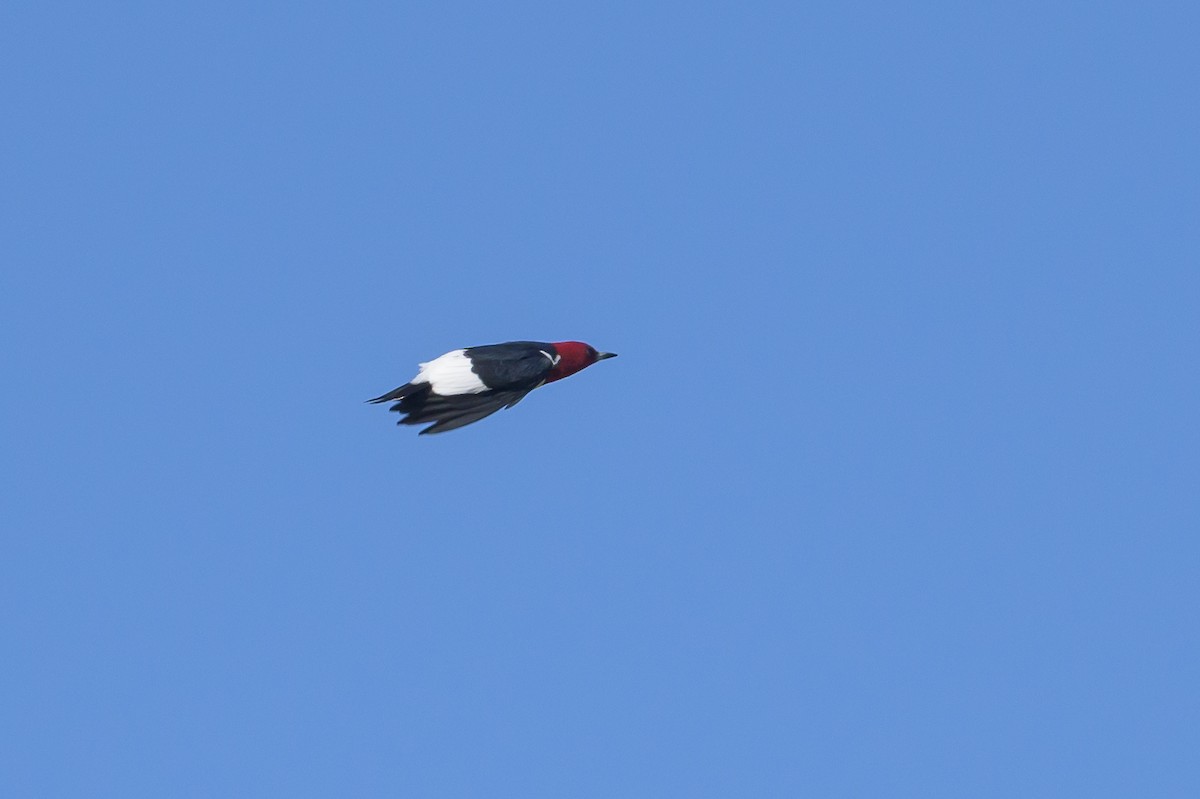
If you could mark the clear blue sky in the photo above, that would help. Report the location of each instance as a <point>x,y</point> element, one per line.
<point>893,491</point>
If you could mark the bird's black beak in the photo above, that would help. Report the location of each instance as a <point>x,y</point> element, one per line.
<point>600,356</point>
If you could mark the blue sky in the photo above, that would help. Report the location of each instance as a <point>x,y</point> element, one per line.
<point>892,491</point>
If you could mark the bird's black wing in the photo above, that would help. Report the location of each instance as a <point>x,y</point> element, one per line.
<point>451,413</point>
<point>514,366</point>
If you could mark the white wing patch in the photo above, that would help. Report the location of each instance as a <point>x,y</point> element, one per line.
<point>450,374</point>
<point>554,359</point>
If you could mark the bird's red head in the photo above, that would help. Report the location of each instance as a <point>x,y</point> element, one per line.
<point>574,356</point>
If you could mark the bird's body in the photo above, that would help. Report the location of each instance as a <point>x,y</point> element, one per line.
<point>465,385</point>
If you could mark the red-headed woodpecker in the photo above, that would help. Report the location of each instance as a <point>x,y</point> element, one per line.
<point>464,386</point>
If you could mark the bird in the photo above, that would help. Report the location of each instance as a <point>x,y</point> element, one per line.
<point>469,384</point>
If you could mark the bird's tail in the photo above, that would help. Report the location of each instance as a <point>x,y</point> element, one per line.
<point>406,390</point>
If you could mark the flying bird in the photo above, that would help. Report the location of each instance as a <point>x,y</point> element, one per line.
<point>464,386</point>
